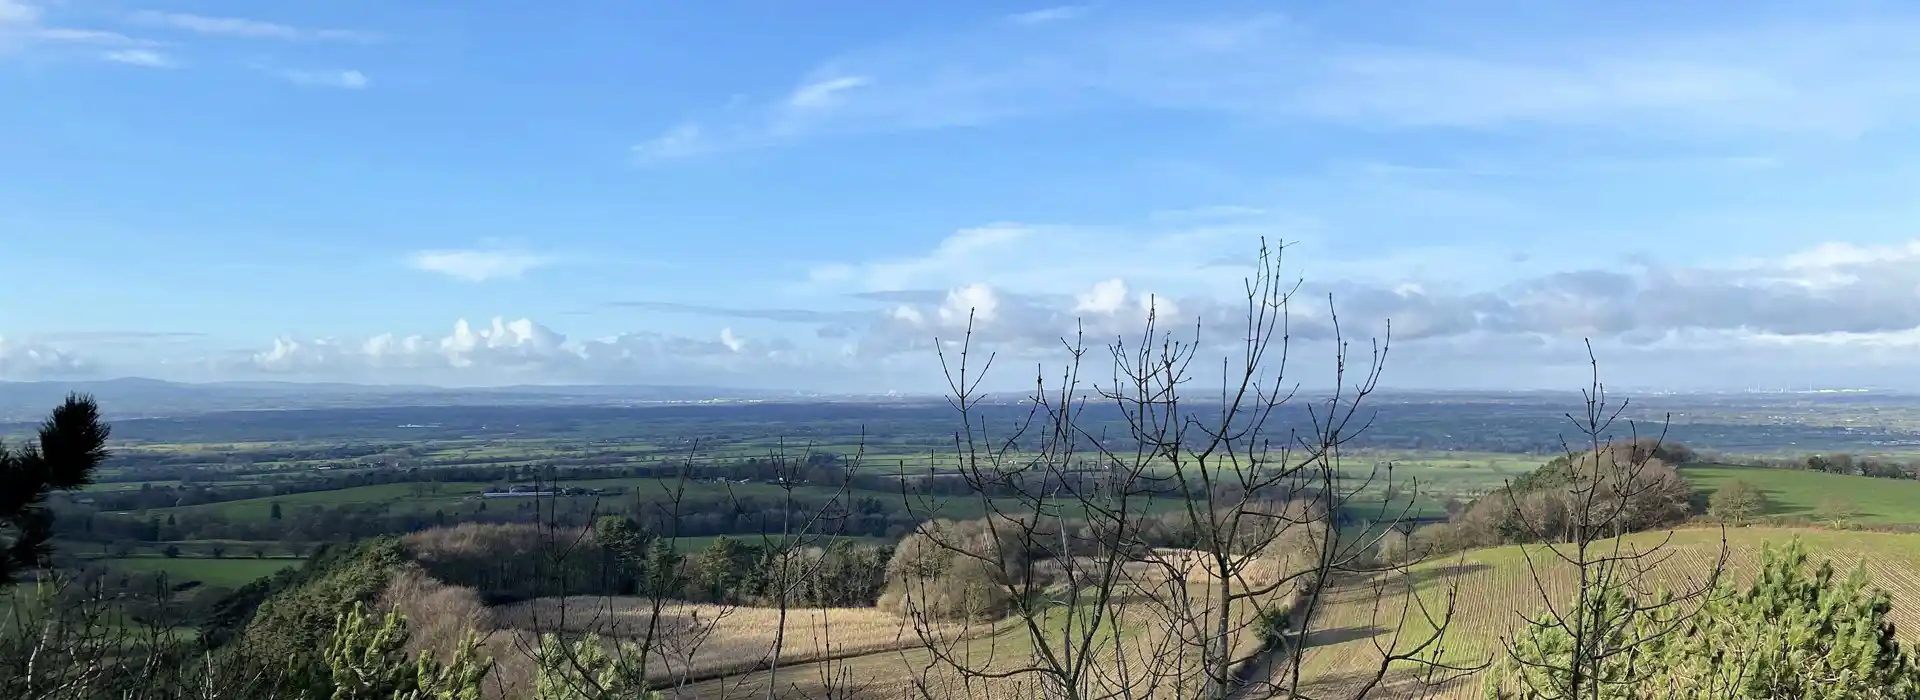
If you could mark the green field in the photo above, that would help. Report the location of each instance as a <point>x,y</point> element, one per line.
<point>227,573</point>
<point>1799,494</point>
<point>262,508</point>
<point>454,495</point>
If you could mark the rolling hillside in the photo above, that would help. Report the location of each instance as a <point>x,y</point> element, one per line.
<point>1497,586</point>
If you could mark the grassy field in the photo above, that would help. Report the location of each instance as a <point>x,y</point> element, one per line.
<point>1496,587</point>
<point>1800,494</point>
<point>227,573</point>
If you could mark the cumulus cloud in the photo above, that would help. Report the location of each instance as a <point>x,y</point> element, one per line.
<point>1828,306</point>
<point>522,350</point>
<point>1832,311</point>
<point>23,359</point>
<point>478,265</point>
<point>1104,297</point>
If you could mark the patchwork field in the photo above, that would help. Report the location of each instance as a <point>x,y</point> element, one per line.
<point>226,573</point>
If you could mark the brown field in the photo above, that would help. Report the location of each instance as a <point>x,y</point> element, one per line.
<point>1496,587</point>
<point>1142,648</point>
<point>713,651</point>
<point>705,640</point>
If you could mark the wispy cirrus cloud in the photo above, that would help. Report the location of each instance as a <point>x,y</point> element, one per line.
<point>25,24</point>
<point>682,141</point>
<point>140,57</point>
<point>346,79</point>
<point>1049,15</point>
<point>1829,76</point>
<point>478,264</point>
<point>820,93</point>
<point>243,28</point>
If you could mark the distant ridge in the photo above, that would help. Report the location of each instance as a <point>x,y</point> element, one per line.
<point>130,397</point>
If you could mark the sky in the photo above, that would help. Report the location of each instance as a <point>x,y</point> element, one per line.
<point>823,195</point>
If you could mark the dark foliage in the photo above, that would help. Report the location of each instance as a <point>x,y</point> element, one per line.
<point>72,444</point>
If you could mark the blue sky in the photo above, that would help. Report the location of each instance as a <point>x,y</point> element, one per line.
<point>806,195</point>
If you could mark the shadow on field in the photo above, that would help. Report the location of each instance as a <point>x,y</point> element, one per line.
<point>1397,685</point>
<point>1428,577</point>
<point>1339,635</point>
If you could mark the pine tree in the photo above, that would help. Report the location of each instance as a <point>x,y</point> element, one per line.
<point>1795,632</point>
<point>367,660</point>
<point>718,573</point>
<point>72,444</point>
<point>1805,632</point>
<point>663,576</point>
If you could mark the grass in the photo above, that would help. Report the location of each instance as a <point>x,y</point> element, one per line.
<point>226,573</point>
<point>1802,494</point>
<point>1496,587</point>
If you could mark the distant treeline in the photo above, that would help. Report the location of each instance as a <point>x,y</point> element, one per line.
<point>1851,465</point>
<point>1639,485</point>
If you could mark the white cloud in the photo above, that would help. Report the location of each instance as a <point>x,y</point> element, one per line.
<point>478,265</point>
<point>96,37</point>
<point>140,57</point>
<point>24,25</point>
<point>1104,297</point>
<point>975,302</point>
<point>820,93</point>
<point>1683,326</point>
<point>1826,76</point>
<point>516,351</point>
<point>1048,15</point>
<point>1028,287</point>
<point>246,28</point>
<point>25,359</point>
<point>343,79</point>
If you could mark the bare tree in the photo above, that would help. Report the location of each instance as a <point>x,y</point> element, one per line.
<point>1594,641</point>
<point>1145,544</point>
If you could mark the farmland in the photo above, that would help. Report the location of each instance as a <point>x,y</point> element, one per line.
<point>226,573</point>
<point>1495,587</point>
<point>226,491</point>
<point>1793,493</point>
